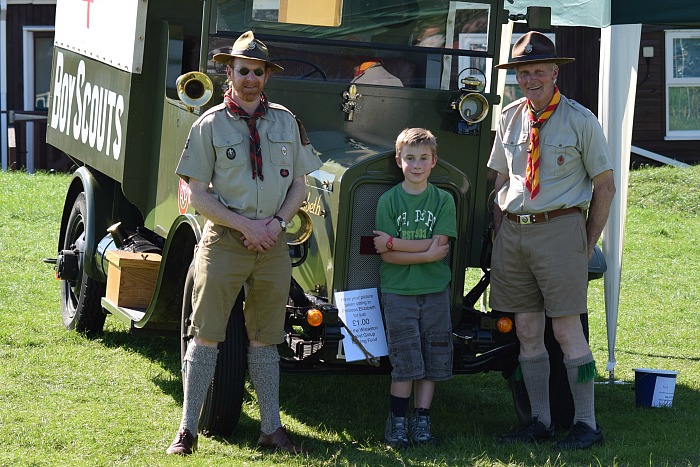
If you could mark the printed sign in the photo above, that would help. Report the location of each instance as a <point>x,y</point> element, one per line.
<point>360,311</point>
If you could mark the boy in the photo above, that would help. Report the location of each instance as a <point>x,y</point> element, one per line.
<point>414,221</point>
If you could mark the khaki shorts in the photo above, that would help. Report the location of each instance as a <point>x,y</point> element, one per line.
<point>222,266</point>
<point>539,267</point>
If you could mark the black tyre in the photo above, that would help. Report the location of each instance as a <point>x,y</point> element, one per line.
<point>80,298</point>
<point>222,407</point>
<point>521,402</point>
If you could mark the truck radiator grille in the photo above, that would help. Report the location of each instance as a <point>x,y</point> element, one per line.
<point>363,272</point>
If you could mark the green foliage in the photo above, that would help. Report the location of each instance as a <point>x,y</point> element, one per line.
<point>116,400</point>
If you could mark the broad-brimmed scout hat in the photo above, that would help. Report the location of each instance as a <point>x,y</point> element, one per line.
<point>247,46</point>
<point>534,47</point>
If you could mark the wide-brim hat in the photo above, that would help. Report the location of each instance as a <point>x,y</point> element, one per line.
<point>247,46</point>
<point>534,47</point>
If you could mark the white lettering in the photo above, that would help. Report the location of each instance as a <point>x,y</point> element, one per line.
<point>91,112</point>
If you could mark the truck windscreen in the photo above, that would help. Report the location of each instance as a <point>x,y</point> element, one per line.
<point>424,43</point>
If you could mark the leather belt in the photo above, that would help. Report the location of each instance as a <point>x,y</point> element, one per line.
<point>539,217</point>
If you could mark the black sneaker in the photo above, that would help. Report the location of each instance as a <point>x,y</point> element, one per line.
<point>582,436</point>
<point>420,430</point>
<point>396,432</point>
<point>184,444</point>
<point>534,432</point>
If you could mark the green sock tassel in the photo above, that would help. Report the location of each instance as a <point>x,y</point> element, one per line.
<point>518,375</point>
<point>586,372</point>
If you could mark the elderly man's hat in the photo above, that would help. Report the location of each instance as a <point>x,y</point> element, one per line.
<point>534,47</point>
<point>247,46</point>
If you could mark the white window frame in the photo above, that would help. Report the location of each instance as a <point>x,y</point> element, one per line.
<point>671,82</point>
<point>29,97</point>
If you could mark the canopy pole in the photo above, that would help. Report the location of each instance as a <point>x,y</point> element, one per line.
<point>619,56</point>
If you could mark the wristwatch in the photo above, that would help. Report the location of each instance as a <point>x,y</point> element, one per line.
<point>390,243</point>
<point>283,224</point>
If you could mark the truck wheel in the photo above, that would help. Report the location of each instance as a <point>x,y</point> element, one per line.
<point>80,298</point>
<point>222,407</point>
<point>521,402</point>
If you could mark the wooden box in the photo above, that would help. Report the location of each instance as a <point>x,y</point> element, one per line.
<point>131,278</point>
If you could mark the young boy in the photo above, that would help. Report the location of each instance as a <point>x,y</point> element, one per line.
<point>414,221</point>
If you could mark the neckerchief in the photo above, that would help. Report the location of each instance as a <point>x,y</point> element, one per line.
<point>255,151</point>
<point>532,174</point>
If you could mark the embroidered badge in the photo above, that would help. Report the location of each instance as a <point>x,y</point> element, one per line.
<point>251,46</point>
<point>284,151</point>
<point>231,153</point>
<point>528,48</point>
<point>284,173</point>
<point>560,160</point>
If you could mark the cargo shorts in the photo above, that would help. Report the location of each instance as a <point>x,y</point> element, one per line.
<point>419,335</point>
<point>540,267</point>
<point>222,266</point>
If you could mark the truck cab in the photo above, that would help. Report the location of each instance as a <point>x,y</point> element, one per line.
<point>356,73</point>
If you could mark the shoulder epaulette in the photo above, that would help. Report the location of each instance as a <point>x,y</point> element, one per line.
<point>514,103</point>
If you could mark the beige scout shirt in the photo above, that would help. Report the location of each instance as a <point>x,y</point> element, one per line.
<point>218,152</point>
<point>573,150</point>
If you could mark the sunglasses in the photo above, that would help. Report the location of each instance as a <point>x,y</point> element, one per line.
<point>243,71</point>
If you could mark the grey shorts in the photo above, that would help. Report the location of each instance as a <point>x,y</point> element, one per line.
<point>222,266</point>
<point>419,335</point>
<point>539,267</point>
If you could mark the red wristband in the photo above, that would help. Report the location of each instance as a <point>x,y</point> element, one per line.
<point>390,243</point>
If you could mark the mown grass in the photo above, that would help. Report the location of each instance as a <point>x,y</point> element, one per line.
<point>116,400</point>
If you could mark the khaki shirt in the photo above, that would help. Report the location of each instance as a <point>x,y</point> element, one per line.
<point>573,150</point>
<point>218,152</point>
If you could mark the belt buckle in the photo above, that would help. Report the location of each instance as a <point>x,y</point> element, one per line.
<point>524,219</point>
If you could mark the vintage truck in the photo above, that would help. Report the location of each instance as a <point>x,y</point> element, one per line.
<point>131,76</point>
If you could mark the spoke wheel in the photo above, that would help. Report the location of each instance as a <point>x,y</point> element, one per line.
<point>80,298</point>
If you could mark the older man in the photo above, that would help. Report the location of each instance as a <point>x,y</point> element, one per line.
<point>554,187</point>
<point>245,163</point>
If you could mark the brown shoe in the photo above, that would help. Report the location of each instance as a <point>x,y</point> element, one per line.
<point>184,443</point>
<point>280,440</point>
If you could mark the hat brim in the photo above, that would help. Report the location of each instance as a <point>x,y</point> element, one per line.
<point>558,61</point>
<point>228,58</point>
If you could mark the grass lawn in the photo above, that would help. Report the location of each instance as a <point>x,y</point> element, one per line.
<point>116,399</point>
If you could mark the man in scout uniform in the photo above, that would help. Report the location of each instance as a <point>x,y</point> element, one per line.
<point>245,162</point>
<point>554,186</point>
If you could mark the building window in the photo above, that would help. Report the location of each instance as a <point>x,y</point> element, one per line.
<point>683,84</point>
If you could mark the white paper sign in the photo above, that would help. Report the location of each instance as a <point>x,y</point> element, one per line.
<point>663,391</point>
<point>360,311</point>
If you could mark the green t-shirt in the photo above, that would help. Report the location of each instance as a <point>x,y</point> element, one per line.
<point>416,217</point>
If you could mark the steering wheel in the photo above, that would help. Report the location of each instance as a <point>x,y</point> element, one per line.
<point>315,69</point>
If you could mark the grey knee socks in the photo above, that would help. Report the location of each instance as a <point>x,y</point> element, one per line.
<point>536,378</point>
<point>264,370</point>
<point>581,374</point>
<point>197,371</point>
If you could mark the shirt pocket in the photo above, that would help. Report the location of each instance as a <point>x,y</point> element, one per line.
<point>563,153</point>
<point>231,150</point>
<point>515,146</point>
<point>280,147</point>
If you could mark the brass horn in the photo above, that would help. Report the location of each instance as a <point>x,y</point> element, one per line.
<point>194,88</point>
<point>299,228</point>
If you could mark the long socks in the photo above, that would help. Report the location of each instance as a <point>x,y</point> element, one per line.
<point>198,372</point>
<point>581,373</point>
<point>264,370</point>
<point>536,378</point>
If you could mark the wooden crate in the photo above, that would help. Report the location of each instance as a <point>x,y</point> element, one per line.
<point>131,278</point>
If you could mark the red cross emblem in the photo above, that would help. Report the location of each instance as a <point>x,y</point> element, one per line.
<point>88,11</point>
